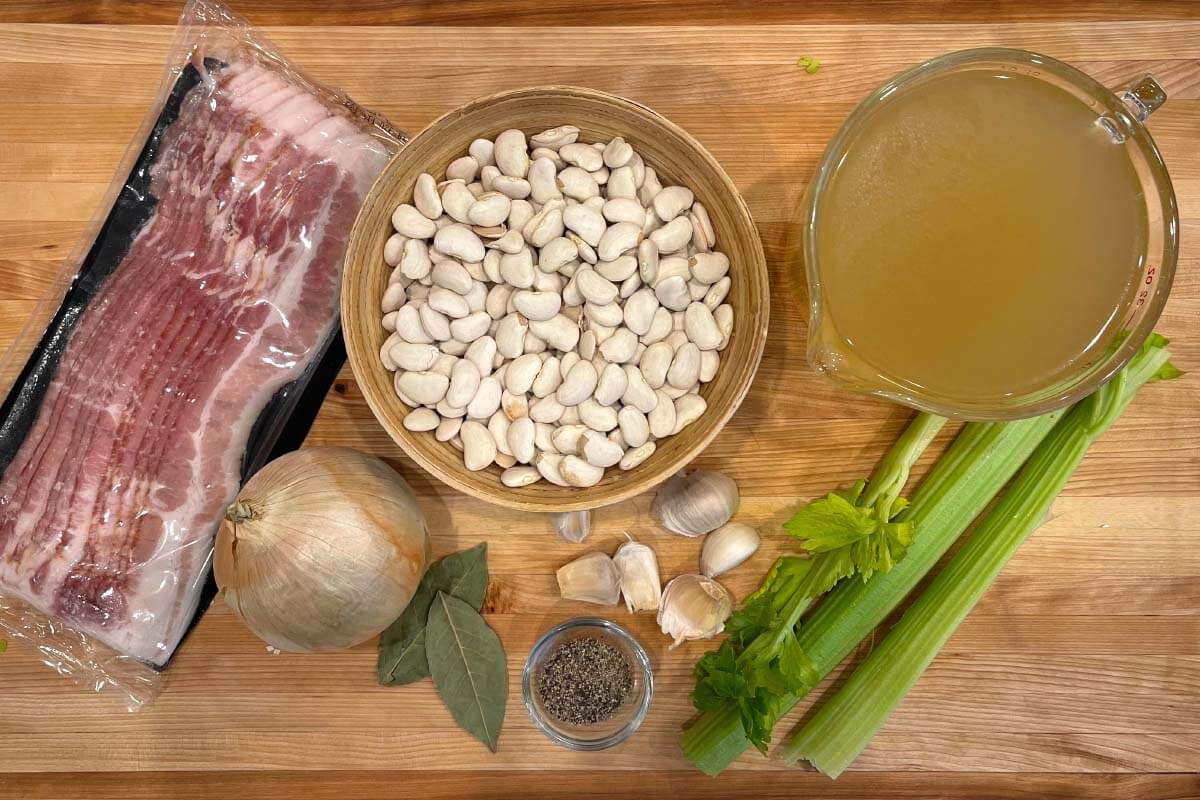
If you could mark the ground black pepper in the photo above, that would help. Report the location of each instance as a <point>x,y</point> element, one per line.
<point>584,681</point>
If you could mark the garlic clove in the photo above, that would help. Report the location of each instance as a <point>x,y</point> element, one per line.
<point>640,581</point>
<point>573,526</point>
<point>695,503</point>
<point>727,547</point>
<point>592,578</point>
<point>693,607</point>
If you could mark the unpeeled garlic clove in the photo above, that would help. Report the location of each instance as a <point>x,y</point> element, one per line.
<point>693,607</point>
<point>695,503</point>
<point>640,581</point>
<point>573,526</point>
<point>592,578</point>
<point>727,547</point>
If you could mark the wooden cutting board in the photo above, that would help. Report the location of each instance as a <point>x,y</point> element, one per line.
<point>1077,675</point>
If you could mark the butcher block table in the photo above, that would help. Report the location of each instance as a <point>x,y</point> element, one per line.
<point>1077,676</point>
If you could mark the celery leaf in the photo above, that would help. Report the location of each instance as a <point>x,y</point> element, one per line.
<point>1167,372</point>
<point>830,523</point>
<point>833,524</point>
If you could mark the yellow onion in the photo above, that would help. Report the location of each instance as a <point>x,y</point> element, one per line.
<point>323,549</point>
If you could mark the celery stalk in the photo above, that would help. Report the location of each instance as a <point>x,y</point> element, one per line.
<point>845,724</point>
<point>982,458</point>
<point>847,533</point>
<point>891,474</point>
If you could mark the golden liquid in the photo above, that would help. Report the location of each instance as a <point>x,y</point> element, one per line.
<point>981,237</point>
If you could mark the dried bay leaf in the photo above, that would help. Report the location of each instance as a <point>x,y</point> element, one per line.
<point>402,646</point>
<point>468,666</point>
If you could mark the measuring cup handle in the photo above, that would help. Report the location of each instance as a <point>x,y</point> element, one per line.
<point>1144,97</point>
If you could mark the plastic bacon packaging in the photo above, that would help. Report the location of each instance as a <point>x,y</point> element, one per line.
<point>179,338</point>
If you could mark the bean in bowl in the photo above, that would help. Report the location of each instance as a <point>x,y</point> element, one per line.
<point>552,307</point>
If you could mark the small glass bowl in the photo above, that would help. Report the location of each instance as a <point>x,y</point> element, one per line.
<point>628,716</point>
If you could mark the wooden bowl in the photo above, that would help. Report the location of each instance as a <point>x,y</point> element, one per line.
<point>678,159</point>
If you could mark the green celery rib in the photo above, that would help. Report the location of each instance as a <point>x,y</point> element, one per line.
<point>982,458</point>
<point>846,722</point>
<point>891,474</point>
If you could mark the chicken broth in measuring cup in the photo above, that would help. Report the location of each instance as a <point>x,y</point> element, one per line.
<point>982,235</point>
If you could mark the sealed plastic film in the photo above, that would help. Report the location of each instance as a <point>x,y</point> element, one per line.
<point>179,337</point>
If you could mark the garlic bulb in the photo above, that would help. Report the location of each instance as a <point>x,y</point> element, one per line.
<point>592,578</point>
<point>640,583</point>
<point>573,526</point>
<point>727,547</point>
<point>322,549</point>
<point>696,503</point>
<point>694,607</point>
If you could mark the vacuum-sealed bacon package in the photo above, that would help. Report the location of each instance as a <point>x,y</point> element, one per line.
<point>178,343</point>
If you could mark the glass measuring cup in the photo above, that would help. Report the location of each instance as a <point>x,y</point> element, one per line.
<point>831,350</point>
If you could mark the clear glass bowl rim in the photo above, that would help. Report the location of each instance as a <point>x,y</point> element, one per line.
<point>643,662</point>
<point>1073,388</point>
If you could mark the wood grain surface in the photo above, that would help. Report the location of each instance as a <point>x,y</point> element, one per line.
<point>1077,675</point>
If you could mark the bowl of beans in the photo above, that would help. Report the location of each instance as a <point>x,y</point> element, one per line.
<point>554,299</point>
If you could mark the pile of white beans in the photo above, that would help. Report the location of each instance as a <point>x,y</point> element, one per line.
<point>553,308</point>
